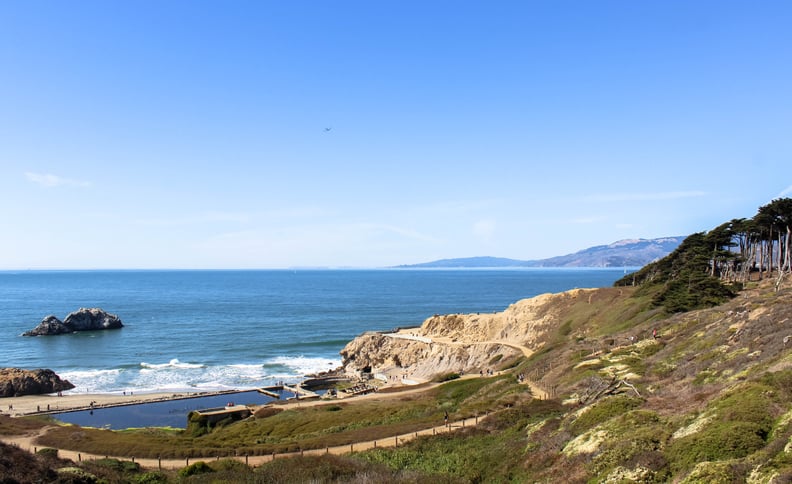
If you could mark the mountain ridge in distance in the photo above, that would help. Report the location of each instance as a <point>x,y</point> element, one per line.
<point>622,253</point>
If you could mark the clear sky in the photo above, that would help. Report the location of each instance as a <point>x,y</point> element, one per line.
<point>271,134</point>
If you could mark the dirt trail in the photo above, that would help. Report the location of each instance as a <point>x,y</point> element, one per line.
<point>27,442</point>
<point>537,391</point>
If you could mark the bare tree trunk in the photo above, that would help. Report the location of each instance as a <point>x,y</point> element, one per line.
<point>749,263</point>
<point>761,258</point>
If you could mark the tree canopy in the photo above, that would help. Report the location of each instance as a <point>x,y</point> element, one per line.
<point>709,268</point>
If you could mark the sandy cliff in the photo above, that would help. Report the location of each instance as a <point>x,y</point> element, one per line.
<point>463,343</point>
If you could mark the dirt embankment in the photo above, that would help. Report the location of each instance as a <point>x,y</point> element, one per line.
<point>459,343</point>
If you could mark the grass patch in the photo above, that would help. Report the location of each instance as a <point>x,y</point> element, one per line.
<point>471,456</point>
<point>290,430</point>
<point>741,424</point>
<point>23,425</point>
<point>602,411</point>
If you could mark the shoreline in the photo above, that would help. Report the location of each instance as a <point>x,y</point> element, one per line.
<point>50,403</point>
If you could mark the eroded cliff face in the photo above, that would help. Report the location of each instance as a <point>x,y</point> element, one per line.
<point>525,322</point>
<point>418,360</point>
<point>463,343</point>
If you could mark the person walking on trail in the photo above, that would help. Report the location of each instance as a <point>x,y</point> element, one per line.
<point>654,333</point>
<point>446,418</point>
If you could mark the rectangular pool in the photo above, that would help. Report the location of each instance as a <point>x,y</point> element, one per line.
<point>167,413</point>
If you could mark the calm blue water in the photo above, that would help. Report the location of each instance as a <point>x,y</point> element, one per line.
<point>169,413</point>
<point>216,330</point>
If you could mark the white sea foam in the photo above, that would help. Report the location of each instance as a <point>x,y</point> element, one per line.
<point>91,381</point>
<point>305,365</point>
<point>176,376</point>
<point>174,363</point>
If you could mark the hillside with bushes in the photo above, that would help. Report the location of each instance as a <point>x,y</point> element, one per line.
<point>681,372</point>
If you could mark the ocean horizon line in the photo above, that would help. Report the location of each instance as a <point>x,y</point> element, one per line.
<point>319,268</point>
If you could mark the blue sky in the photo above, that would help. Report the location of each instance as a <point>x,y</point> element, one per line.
<point>194,134</point>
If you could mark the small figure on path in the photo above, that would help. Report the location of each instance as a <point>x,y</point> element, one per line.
<point>446,418</point>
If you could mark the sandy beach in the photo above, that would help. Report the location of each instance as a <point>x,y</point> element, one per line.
<point>33,404</point>
<point>42,404</point>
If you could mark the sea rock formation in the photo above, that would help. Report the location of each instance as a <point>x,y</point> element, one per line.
<point>15,382</point>
<point>462,343</point>
<point>83,319</point>
<point>48,326</point>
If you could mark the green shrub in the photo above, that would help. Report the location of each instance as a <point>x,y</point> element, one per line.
<point>197,425</point>
<point>199,467</point>
<point>151,478</point>
<point>326,468</point>
<point>48,452</point>
<point>716,442</point>
<point>641,437</point>
<point>604,410</point>
<point>75,475</point>
<point>495,359</point>
<point>715,473</point>
<point>229,465</point>
<point>118,465</point>
<point>751,404</point>
<point>446,377</point>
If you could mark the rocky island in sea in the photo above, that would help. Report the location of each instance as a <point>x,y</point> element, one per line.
<point>84,319</point>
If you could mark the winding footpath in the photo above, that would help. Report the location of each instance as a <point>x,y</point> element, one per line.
<point>28,442</point>
<point>536,390</point>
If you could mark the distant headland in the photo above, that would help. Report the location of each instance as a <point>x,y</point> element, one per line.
<point>622,253</point>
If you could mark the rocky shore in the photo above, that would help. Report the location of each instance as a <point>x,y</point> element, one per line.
<point>15,382</point>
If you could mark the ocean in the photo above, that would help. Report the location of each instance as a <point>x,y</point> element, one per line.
<point>221,330</point>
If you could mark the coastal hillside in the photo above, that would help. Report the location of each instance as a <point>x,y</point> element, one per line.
<point>622,253</point>
<point>468,343</point>
<point>639,395</point>
<point>681,372</point>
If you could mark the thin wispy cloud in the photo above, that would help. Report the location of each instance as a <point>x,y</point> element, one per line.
<point>588,220</point>
<point>641,197</point>
<point>401,231</point>
<point>212,216</point>
<point>49,180</point>
<point>785,191</point>
<point>484,229</point>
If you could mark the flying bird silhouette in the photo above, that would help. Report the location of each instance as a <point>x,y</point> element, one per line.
<point>327,129</point>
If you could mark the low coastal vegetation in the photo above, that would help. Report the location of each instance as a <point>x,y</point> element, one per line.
<point>682,372</point>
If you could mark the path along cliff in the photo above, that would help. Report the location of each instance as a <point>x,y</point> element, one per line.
<point>460,343</point>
